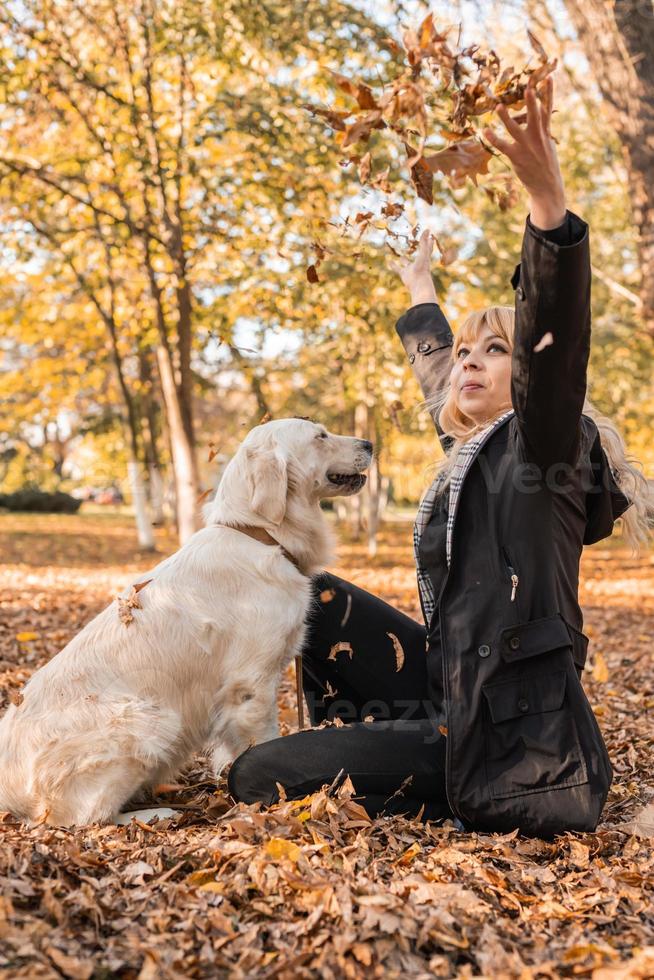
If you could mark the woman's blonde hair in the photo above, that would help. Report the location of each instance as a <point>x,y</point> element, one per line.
<point>627,470</point>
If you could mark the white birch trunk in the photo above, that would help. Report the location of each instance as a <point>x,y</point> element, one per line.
<point>143,524</point>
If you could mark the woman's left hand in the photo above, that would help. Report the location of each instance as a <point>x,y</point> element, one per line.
<point>533,155</point>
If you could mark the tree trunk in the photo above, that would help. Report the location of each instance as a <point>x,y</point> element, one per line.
<point>143,525</point>
<point>357,521</point>
<point>250,372</point>
<point>156,494</point>
<point>181,449</point>
<point>618,40</point>
<point>151,430</point>
<point>373,487</point>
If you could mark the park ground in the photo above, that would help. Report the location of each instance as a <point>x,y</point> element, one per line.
<point>313,888</point>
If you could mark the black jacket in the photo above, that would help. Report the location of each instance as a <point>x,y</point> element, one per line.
<point>523,747</point>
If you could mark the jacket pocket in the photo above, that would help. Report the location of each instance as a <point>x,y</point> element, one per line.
<point>531,739</point>
<point>579,647</point>
<point>525,640</point>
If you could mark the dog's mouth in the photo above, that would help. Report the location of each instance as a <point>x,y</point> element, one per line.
<point>347,481</point>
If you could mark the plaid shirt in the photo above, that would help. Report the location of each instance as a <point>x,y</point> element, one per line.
<point>464,461</point>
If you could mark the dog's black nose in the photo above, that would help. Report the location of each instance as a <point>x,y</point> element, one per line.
<point>366,445</point>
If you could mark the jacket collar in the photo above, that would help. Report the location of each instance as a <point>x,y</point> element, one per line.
<point>426,508</point>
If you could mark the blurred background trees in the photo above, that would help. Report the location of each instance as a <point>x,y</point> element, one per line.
<point>162,186</point>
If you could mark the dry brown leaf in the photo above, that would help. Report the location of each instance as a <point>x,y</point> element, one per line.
<point>460,160</point>
<point>365,167</point>
<point>643,823</point>
<point>361,130</point>
<point>399,651</point>
<point>545,341</point>
<point>341,647</point>
<point>129,602</point>
<point>600,668</point>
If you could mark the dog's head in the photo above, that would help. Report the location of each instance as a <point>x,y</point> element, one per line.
<point>297,457</point>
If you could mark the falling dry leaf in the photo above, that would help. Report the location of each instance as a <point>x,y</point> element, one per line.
<point>365,168</point>
<point>348,608</point>
<point>544,342</point>
<point>312,274</point>
<point>342,647</point>
<point>399,651</point>
<point>465,159</point>
<point>441,93</point>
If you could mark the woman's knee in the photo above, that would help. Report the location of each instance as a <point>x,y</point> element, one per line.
<point>250,778</point>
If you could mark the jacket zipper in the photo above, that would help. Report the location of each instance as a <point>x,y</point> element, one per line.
<point>512,572</point>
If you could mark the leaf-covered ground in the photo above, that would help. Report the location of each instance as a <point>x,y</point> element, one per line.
<point>313,888</point>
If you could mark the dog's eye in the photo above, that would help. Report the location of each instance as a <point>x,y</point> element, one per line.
<point>322,435</point>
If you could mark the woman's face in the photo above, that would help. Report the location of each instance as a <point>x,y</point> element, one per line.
<point>481,376</point>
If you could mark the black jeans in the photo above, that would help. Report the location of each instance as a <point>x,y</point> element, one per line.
<point>361,658</point>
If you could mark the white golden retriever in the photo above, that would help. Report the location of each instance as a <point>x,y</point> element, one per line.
<point>193,657</point>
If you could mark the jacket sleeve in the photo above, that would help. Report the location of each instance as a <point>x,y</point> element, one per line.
<point>552,312</point>
<point>427,339</point>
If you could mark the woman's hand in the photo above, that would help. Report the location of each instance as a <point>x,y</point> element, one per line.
<point>533,155</point>
<point>416,275</point>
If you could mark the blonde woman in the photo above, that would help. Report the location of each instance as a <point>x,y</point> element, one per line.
<point>484,718</point>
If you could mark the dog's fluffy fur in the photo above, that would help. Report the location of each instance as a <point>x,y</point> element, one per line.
<point>122,707</point>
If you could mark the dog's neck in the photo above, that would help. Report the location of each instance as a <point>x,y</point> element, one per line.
<point>303,533</point>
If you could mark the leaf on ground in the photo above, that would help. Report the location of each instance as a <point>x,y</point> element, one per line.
<point>278,849</point>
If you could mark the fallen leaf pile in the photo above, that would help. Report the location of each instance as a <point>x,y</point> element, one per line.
<point>313,887</point>
<point>424,117</point>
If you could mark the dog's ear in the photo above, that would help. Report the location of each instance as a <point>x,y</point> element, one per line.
<point>267,477</point>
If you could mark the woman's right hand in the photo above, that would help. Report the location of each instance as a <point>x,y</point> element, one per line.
<point>416,274</point>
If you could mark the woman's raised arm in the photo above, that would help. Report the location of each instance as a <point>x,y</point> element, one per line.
<point>552,327</point>
<point>423,329</point>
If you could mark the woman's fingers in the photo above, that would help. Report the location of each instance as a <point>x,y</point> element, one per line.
<point>514,128</point>
<point>502,145</point>
<point>546,104</point>
<point>534,120</point>
<point>426,244</point>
